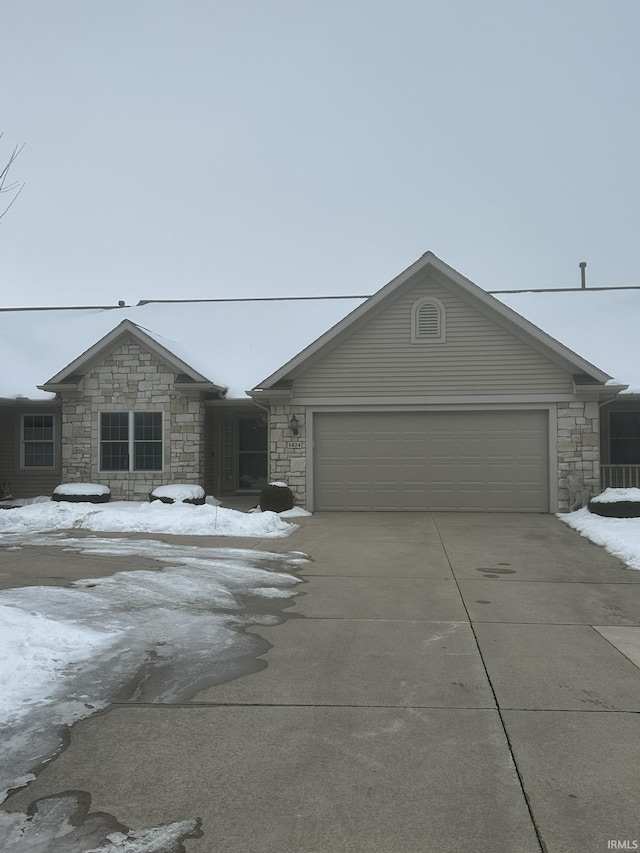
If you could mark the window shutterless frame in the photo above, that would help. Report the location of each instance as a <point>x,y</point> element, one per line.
<point>131,441</point>
<point>37,441</point>
<point>624,437</point>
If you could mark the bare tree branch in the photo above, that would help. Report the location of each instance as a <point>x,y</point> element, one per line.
<point>14,187</point>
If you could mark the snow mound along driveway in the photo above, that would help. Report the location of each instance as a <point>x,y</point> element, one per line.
<point>133,517</point>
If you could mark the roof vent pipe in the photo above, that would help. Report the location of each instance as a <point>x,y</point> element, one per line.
<point>583,274</point>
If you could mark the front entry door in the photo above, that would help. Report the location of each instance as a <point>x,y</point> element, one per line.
<point>251,438</point>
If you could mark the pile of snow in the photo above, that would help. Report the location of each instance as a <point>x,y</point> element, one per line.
<point>81,489</point>
<point>179,492</point>
<point>143,517</point>
<point>295,512</point>
<point>618,536</point>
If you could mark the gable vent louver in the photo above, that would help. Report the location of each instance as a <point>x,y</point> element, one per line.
<point>428,320</point>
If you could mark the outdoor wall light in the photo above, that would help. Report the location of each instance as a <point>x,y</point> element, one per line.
<point>294,425</point>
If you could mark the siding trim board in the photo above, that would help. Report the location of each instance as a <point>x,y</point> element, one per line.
<point>463,400</point>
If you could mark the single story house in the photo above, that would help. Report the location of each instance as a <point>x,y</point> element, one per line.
<point>432,394</point>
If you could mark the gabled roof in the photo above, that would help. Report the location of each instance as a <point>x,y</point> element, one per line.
<point>467,290</point>
<point>230,342</point>
<point>125,330</point>
<point>601,323</point>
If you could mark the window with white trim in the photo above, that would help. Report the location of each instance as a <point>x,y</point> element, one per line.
<point>131,441</point>
<point>428,321</point>
<point>37,441</point>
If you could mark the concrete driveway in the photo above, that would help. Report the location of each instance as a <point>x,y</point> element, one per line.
<point>448,682</point>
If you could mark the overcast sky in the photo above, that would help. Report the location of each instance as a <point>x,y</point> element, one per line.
<point>199,148</point>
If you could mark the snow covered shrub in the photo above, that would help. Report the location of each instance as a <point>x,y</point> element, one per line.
<point>92,493</point>
<point>617,503</point>
<point>276,497</point>
<point>179,493</point>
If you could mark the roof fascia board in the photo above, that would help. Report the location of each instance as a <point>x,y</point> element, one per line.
<point>58,386</point>
<point>91,356</point>
<point>275,394</point>
<point>185,387</point>
<point>491,306</point>
<point>623,398</point>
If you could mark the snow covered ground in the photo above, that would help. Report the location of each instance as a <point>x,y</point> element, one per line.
<point>43,514</point>
<point>619,536</point>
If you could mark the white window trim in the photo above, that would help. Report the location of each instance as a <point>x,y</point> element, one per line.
<point>131,440</point>
<point>440,338</point>
<point>54,441</point>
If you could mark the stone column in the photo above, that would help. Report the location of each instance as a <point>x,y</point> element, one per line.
<point>287,452</point>
<point>578,447</point>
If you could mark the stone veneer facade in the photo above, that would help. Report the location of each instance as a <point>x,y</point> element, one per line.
<point>578,447</point>
<point>288,463</point>
<point>578,425</point>
<point>130,379</point>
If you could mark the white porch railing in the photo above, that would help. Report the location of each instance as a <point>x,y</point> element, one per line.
<point>620,476</point>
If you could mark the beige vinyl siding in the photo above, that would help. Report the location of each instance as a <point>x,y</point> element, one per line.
<point>478,357</point>
<point>26,482</point>
<point>7,445</point>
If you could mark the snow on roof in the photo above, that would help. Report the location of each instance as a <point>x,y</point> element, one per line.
<point>235,344</point>
<point>600,325</point>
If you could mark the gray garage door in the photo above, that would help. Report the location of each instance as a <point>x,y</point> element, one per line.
<point>485,461</point>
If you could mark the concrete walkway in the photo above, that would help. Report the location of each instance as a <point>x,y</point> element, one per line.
<point>450,682</point>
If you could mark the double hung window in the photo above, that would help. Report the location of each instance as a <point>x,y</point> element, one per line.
<point>38,441</point>
<point>131,441</point>
<point>624,428</point>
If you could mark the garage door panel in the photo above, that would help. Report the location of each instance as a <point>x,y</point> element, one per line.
<point>487,461</point>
